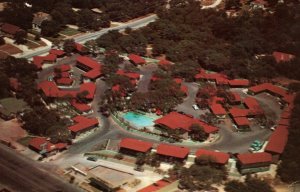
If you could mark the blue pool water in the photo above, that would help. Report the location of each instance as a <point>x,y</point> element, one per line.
<point>138,119</point>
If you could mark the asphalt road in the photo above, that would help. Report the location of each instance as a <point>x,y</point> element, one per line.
<point>134,24</point>
<point>21,174</point>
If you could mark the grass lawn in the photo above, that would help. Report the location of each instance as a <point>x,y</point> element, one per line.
<point>25,140</point>
<point>12,105</point>
<point>69,31</point>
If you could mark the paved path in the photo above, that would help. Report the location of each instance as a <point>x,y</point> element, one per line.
<point>146,72</point>
<point>21,174</point>
<point>214,5</point>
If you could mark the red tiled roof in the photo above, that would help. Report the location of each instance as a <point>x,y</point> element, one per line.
<point>178,80</point>
<point>286,114</point>
<point>50,57</point>
<point>237,112</point>
<point>38,61</point>
<point>164,62</point>
<point>130,75</point>
<point>116,87</point>
<point>273,89</point>
<point>136,145</point>
<point>184,89</point>
<point>80,48</point>
<point>278,140</point>
<point>82,123</point>
<point>82,107</point>
<point>218,157</point>
<point>176,120</point>
<point>217,109</point>
<point>136,59</point>
<point>64,74</point>
<point>282,57</point>
<point>57,52</point>
<point>253,105</point>
<point>38,141</point>
<point>239,82</point>
<point>155,186</point>
<point>241,121</point>
<point>234,97</point>
<point>285,122</point>
<point>219,78</point>
<point>90,87</point>
<point>64,67</point>
<point>10,29</point>
<point>172,151</point>
<point>61,146</point>
<point>253,158</point>
<point>95,67</point>
<point>64,81</point>
<point>50,89</point>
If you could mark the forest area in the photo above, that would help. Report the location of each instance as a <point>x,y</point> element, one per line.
<point>240,47</point>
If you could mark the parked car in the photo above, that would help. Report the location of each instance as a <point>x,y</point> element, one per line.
<point>92,159</point>
<point>195,107</point>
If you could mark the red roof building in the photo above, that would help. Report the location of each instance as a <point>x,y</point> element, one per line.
<point>83,123</point>
<point>64,68</point>
<point>135,145</point>
<point>81,107</point>
<point>50,89</point>
<point>136,59</point>
<point>130,75</point>
<point>237,112</point>
<point>155,186</point>
<point>253,106</point>
<point>184,89</point>
<point>38,143</point>
<point>38,61</point>
<point>254,158</point>
<point>172,151</point>
<point>217,157</point>
<point>217,109</point>
<point>241,121</point>
<point>176,120</point>
<point>90,88</point>
<point>65,81</point>
<point>282,57</point>
<point>92,67</point>
<point>81,49</point>
<point>178,80</point>
<point>234,98</point>
<point>57,52</point>
<point>10,29</point>
<point>41,144</point>
<point>284,122</point>
<point>239,83</point>
<point>164,64</point>
<point>277,140</point>
<point>272,89</point>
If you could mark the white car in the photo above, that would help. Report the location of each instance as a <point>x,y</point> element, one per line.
<point>273,128</point>
<point>195,107</point>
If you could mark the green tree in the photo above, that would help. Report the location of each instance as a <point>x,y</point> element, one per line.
<point>50,28</point>
<point>69,46</point>
<point>197,132</point>
<point>5,86</point>
<point>2,41</point>
<point>21,37</point>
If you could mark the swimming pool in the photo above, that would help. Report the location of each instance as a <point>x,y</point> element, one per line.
<point>139,120</point>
